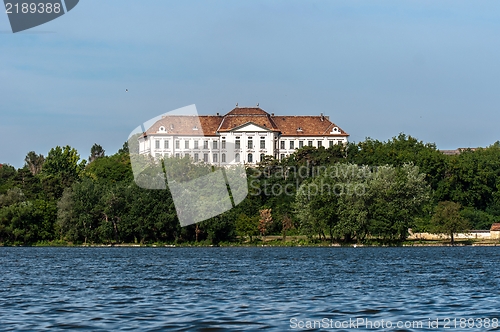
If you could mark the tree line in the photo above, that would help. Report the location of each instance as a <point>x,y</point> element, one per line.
<point>354,192</point>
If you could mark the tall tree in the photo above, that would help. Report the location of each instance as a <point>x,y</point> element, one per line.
<point>34,162</point>
<point>96,152</point>
<point>61,169</point>
<point>447,219</point>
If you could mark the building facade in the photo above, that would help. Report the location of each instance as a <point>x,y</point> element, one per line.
<point>244,135</point>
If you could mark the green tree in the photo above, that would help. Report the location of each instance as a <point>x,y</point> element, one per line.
<point>7,177</point>
<point>34,162</point>
<point>61,169</point>
<point>447,219</point>
<point>96,152</point>
<point>247,226</point>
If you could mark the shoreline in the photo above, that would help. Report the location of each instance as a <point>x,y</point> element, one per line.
<point>262,245</point>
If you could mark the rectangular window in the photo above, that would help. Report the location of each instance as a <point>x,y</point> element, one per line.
<point>310,143</point>
<point>223,157</point>
<point>237,144</point>
<point>165,144</point>
<point>177,144</point>
<point>292,145</point>
<point>214,143</point>
<point>320,144</point>
<point>262,142</point>
<point>196,145</point>
<point>205,157</point>
<point>186,144</point>
<point>223,142</point>
<point>250,143</point>
<point>330,143</point>
<point>196,157</point>
<point>214,157</point>
<point>301,144</point>
<point>282,156</point>
<point>282,145</point>
<point>177,155</point>
<point>205,145</point>
<point>157,144</point>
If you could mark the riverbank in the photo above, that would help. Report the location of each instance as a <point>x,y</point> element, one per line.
<point>273,241</point>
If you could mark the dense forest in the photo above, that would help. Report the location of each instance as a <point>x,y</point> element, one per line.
<point>355,192</point>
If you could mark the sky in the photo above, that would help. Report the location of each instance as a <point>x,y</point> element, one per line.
<point>429,69</point>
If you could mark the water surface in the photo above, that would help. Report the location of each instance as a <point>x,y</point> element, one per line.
<point>244,289</point>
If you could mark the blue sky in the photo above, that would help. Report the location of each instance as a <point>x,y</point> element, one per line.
<point>429,69</point>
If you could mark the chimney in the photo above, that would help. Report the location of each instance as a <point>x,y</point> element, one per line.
<point>217,113</point>
<point>272,114</point>
<point>322,117</point>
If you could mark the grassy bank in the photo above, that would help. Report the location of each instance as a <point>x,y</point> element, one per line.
<point>271,241</point>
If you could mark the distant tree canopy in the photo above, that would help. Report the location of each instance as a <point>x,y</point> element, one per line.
<point>351,192</point>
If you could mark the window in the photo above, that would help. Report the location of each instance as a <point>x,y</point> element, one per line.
<point>196,157</point>
<point>301,144</point>
<point>237,143</point>
<point>205,157</point>
<point>237,157</point>
<point>250,143</point>
<point>157,144</point>
<point>320,144</point>
<point>310,143</point>
<point>177,143</point>
<point>214,144</point>
<point>157,155</point>
<point>196,145</point>
<point>282,156</point>
<point>177,155</point>
<point>292,145</point>
<point>187,155</point>
<point>214,157</point>
<point>282,145</point>
<point>330,143</point>
<point>262,157</point>
<point>205,145</point>
<point>223,157</point>
<point>186,144</point>
<point>262,142</point>
<point>223,142</point>
<point>250,158</point>
<point>165,144</point>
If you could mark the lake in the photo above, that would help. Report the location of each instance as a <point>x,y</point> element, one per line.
<point>249,289</point>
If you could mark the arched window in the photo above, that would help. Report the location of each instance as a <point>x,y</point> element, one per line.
<point>262,157</point>
<point>223,157</point>
<point>250,158</point>
<point>237,157</point>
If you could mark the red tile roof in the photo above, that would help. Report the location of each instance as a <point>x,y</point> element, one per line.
<point>212,124</point>
<point>495,227</point>
<point>247,111</point>
<point>309,125</point>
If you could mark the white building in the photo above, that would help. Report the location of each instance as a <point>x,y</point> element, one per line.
<point>244,135</point>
